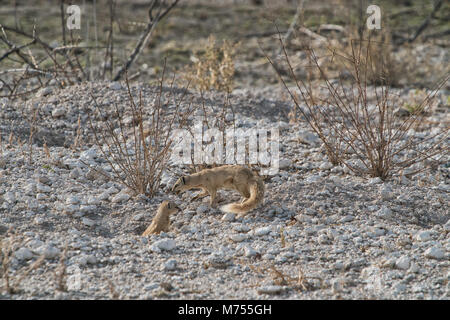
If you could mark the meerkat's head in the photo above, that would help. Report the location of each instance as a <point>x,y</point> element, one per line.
<point>171,206</point>
<point>180,185</point>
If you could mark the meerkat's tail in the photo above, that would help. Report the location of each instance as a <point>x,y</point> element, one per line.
<point>256,197</point>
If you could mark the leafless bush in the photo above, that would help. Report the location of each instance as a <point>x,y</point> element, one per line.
<point>356,122</point>
<point>35,62</point>
<point>139,153</point>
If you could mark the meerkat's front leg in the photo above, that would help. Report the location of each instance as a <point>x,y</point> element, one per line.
<point>213,199</point>
<point>200,195</point>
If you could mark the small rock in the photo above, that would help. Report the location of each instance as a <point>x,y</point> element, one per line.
<point>164,244</point>
<point>9,197</point>
<point>400,287</point>
<point>447,226</point>
<point>312,179</point>
<point>44,180</point>
<point>23,254</point>
<point>384,212</point>
<point>43,188</point>
<point>424,235</point>
<point>375,180</point>
<point>139,217</point>
<point>103,196</point>
<point>347,218</point>
<point>49,252</point>
<point>228,217</point>
<point>386,192</point>
<point>120,197</point>
<point>414,268</point>
<point>238,237</point>
<point>58,112</point>
<point>262,231</point>
<point>270,290</point>
<point>336,286</point>
<point>202,209</point>
<point>72,200</point>
<point>88,222</point>
<point>284,163</point>
<point>250,252</point>
<point>44,92</point>
<point>435,253</point>
<point>75,173</point>
<point>170,265</point>
<point>91,259</point>
<point>93,200</point>
<point>115,86</point>
<point>323,239</point>
<point>403,263</point>
<point>326,166</point>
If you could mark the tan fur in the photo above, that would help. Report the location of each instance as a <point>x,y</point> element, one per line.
<point>232,177</point>
<point>161,222</point>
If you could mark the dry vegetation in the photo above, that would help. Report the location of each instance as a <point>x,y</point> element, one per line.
<point>356,121</point>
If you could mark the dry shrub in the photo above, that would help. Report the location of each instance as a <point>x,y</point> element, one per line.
<point>138,153</point>
<point>356,122</point>
<point>213,68</point>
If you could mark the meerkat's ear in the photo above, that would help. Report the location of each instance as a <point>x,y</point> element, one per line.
<point>183,180</point>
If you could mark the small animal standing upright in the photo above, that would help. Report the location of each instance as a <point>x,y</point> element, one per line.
<point>232,177</point>
<point>161,222</point>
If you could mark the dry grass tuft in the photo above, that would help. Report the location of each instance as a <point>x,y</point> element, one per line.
<point>214,68</point>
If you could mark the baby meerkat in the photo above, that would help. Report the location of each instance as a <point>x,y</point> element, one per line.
<point>161,222</point>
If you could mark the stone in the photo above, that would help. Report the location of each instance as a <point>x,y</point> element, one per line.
<point>23,254</point>
<point>435,253</point>
<point>403,263</point>
<point>347,218</point>
<point>164,244</point>
<point>120,197</point>
<point>72,200</point>
<point>88,222</point>
<point>424,235</point>
<point>115,85</point>
<point>284,163</point>
<point>58,112</point>
<point>384,212</point>
<point>228,217</point>
<point>43,188</point>
<point>375,180</point>
<point>9,197</point>
<point>326,166</point>
<point>262,231</point>
<point>170,265</point>
<point>250,252</point>
<point>202,209</point>
<point>270,289</point>
<point>323,239</point>
<point>238,237</point>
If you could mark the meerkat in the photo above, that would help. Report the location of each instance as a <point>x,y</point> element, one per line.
<point>231,177</point>
<point>161,222</point>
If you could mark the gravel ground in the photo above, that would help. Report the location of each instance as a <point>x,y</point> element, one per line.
<point>322,232</point>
